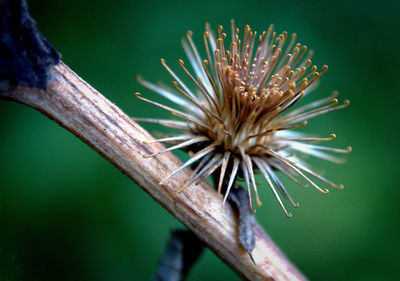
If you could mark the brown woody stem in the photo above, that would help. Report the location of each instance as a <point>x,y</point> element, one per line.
<point>79,108</point>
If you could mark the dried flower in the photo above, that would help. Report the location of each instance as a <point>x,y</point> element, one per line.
<point>236,119</point>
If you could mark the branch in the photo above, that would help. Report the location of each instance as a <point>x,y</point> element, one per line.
<point>79,108</point>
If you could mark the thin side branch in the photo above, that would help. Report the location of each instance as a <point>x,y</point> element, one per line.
<point>79,108</point>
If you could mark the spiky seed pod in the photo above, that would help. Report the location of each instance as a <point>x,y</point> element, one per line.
<point>238,110</point>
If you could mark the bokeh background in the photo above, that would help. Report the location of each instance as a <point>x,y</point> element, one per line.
<point>68,214</point>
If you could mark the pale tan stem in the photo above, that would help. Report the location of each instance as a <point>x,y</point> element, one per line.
<point>76,106</point>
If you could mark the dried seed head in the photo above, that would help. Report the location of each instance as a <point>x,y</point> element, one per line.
<point>237,113</point>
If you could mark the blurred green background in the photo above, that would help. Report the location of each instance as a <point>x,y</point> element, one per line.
<point>68,214</point>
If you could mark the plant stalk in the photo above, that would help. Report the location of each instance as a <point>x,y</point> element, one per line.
<point>79,108</point>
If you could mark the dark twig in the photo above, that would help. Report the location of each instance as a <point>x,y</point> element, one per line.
<point>181,253</point>
<point>25,54</point>
<point>240,198</point>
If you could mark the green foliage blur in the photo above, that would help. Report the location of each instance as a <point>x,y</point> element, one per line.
<point>68,214</point>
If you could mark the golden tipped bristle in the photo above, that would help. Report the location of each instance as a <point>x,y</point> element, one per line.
<point>236,117</point>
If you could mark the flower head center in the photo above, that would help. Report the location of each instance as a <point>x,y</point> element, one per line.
<point>238,112</point>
